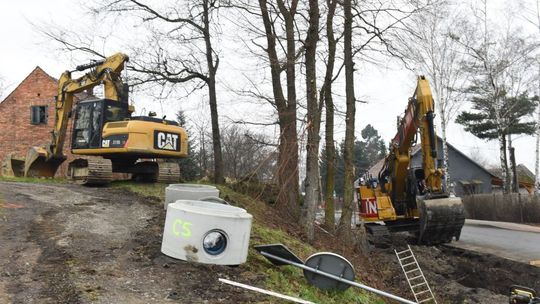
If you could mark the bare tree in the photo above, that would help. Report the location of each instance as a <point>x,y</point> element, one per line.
<point>476,155</point>
<point>498,65</point>
<point>287,167</point>
<point>177,48</point>
<point>313,123</point>
<point>189,24</point>
<point>344,228</point>
<point>428,48</point>
<point>533,17</point>
<point>326,95</point>
<point>246,154</point>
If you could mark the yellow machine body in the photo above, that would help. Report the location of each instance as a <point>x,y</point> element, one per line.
<point>413,199</point>
<point>140,141</point>
<point>106,128</point>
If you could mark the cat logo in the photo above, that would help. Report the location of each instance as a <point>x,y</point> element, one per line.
<point>166,141</point>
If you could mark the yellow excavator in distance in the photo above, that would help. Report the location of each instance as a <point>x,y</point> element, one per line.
<point>412,199</point>
<point>106,128</point>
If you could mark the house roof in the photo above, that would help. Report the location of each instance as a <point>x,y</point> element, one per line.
<point>79,96</point>
<point>524,174</point>
<point>376,168</point>
<point>37,69</point>
<point>417,148</point>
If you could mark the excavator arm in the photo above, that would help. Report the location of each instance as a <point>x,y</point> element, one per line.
<point>419,115</point>
<point>45,160</point>
<point>413,199</point>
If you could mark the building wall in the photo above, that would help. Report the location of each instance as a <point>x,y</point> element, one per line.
<point>17,134</point>
<point>461,169</point>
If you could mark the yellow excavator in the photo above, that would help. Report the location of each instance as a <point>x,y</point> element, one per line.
<point>106,128</point>
<point>412,199</point>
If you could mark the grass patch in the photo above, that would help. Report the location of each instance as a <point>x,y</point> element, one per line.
<point>290,280</point>
<point>265,229</point>
<point>39,180</point>
<point>155,190</point>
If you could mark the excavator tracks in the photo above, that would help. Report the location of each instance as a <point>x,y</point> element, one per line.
<point>152,171</point>
<point>91,171</point>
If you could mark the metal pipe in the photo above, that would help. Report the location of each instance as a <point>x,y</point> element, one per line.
<point>342,280</point>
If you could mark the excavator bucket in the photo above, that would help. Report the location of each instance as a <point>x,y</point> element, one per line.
<point>38,164</point>
<point>441,219</point>
<point>13,166</point>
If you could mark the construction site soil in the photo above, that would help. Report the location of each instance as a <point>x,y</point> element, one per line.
<point>63,243</point>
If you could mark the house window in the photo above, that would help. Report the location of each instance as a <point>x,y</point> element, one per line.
<point>471,186</point>
<point>38,115</point>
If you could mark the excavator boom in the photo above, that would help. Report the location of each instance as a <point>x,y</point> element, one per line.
<point>45,161</point>
<point>413,199</point>
<point>106,137</point>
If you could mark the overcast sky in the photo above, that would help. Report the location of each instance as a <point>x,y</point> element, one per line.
<point>386,89</point>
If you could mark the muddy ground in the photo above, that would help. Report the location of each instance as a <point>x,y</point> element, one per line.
<point>62,243</point>
<point>456,275</point>
<point>70,244</point>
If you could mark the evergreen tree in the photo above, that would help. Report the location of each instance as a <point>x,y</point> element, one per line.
<point>490,120</point>
<point>367,152</point>
<point>483,122</point>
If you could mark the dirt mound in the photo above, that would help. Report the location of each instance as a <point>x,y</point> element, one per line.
<point>455,275</point>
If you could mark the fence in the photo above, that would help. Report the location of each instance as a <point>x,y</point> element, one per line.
<point>515,207</point>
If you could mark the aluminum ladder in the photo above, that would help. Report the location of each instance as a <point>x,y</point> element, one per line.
<point>415,277</point>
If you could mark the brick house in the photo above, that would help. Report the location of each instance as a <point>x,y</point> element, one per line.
<point>27,116</point>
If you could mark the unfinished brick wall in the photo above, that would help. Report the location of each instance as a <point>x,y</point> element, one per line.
<point>17,133</point>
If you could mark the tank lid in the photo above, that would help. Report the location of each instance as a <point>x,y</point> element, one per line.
<point>209,208</point>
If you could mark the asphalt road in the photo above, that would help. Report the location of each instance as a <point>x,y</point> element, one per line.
<point>511,241</point>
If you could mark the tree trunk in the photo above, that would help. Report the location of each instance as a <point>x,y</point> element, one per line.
<point>289,174</point>
<point>504,162</point>
<point>313,124</point>
<point>537,154</point>
<point>212,70</point>
<point>514,186</point>
<point>329,212</point>
<point>515,177</point>
<point>344,228</point>
<point>287,166</point>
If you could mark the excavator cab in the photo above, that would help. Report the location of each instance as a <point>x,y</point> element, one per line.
<point>90,117</point>
<point>105,137</point>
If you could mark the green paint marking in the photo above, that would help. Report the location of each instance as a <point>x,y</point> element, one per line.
<point>186,228</point>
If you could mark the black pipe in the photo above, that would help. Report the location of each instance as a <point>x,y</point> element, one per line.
<point>94,64</point>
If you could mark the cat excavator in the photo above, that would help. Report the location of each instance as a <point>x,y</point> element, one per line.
<point>105,134</point>
<point>407,198</point>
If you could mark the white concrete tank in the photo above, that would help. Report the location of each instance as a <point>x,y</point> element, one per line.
<point>176,192</point>
<point>206,232</point>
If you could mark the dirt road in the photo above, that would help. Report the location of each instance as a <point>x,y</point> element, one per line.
<point>64,243</point>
